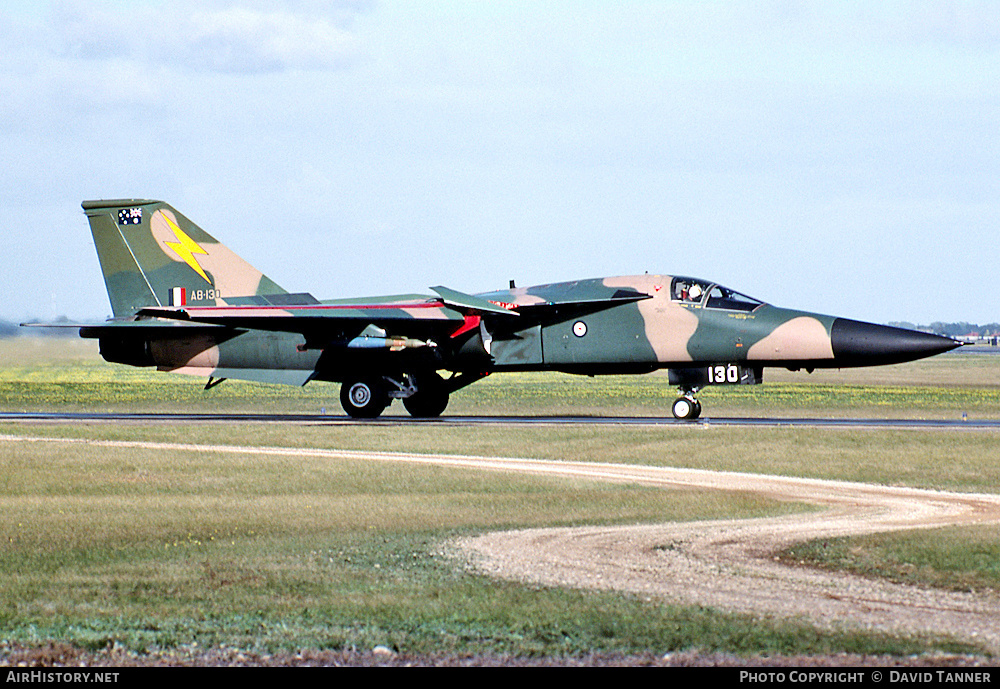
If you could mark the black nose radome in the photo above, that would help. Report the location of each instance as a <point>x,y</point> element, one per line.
<point>866,344</point>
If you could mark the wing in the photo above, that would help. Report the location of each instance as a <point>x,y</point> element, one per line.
<point>420,320</point>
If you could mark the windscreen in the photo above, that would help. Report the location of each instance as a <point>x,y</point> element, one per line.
<point>720,297</point>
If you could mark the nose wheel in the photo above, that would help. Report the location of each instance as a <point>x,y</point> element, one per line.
<point>686,408</point>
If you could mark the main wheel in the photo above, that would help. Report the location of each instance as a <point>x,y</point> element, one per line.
<point>430,399</point>
<point>686,408</point>
<point>364,399</point>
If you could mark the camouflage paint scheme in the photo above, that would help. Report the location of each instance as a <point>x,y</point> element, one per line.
<point>185,303</point>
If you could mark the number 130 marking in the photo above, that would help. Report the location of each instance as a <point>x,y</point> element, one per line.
<point>724,374</point>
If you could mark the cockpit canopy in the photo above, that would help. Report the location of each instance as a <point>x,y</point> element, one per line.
<point>711,295</point>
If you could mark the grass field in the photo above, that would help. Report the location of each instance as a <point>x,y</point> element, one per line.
<point>152,550</point>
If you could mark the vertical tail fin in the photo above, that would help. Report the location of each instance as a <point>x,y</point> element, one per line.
<point>151,255</point>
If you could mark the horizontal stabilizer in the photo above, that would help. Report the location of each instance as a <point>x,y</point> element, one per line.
<point>59,325</point>
<point>98,329</point>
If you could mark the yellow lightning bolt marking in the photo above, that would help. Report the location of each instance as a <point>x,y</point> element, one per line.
<point>185,247</point>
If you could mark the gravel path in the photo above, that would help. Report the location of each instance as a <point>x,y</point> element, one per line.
<point>730,565</point>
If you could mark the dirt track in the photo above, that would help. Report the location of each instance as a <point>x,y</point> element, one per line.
<point>728,565</point>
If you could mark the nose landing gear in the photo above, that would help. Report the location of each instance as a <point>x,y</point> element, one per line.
<point>686,407</point>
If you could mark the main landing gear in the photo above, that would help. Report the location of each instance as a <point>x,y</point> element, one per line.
<point>425,395</point>
<point>686,407</point>
<point>365,398</point>
<point>429,398</point>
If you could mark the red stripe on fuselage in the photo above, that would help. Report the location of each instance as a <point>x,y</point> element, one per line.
<point>311,307</point>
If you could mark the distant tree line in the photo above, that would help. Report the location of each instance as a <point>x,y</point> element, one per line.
<point>960,329</point>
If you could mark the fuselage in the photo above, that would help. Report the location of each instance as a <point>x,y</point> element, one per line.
<point>687,322</point>
<point>576,327</point>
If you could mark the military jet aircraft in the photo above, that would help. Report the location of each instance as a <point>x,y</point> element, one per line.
<point>185,303</point>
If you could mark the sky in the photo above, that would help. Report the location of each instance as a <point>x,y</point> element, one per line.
<point>836,157</point>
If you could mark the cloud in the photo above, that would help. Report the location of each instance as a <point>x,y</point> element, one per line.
<point>234,39</point>
<point>245,40</point>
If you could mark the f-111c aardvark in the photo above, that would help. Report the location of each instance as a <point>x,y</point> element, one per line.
<point>185,303</point>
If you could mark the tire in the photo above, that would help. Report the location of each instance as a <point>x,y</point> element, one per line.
<point>363,399</point>
<point>686,408</point>
<point>430,400</point>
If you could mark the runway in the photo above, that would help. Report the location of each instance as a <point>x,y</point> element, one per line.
<point>333,420</point>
